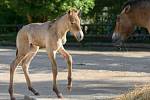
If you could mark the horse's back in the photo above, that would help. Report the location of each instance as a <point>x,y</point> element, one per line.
<point>39,26</point>
<point>33,33</point>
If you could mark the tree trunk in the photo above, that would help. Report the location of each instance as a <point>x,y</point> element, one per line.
<point>29,17</point>
<point>45,18</point>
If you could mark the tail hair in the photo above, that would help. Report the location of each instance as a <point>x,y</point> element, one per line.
<point>16,51</point>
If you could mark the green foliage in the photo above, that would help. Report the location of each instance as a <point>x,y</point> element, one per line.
<point>42,10</point>
<point>84,5</point>
<point>106,8</point>
<point>8,15</point>
<point>100,12</point>
<point>104,14</point>
<point>24,11</point>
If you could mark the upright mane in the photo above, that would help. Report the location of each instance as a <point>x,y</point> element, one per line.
<point>58,17</point>
<point>54,20</point>
<point>134,2</point>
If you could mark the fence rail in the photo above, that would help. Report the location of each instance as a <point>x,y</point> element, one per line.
<point>93,33</point>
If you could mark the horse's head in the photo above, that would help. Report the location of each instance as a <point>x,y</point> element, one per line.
<point>124,26</point>
<point>75,25</point>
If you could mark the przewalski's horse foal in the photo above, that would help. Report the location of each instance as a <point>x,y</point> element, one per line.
<point>134,13</point>
<point>47,35</point>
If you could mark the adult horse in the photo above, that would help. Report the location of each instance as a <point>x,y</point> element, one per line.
<point>134,13</point>
<point>49,35</point>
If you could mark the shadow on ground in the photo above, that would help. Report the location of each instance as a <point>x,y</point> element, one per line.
<point>99,88</point>
<point>81,89</point>
<point>88,61</point>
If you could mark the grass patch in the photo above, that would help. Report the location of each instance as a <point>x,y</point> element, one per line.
<point>139,93</point>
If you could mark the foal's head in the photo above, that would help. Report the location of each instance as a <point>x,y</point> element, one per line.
<point>124,25</point>
<point>74,24</point>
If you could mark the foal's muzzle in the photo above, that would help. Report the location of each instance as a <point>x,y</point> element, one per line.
<point>80,36</point>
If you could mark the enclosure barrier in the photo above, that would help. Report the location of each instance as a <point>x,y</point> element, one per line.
<point>94,33</point>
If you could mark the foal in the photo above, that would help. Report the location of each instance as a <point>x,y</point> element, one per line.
<point>49,35</point>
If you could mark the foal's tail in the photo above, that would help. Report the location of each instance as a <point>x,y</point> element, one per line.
<point>16,52</point>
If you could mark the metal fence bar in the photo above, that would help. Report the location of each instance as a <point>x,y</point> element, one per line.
<point>94,30</point>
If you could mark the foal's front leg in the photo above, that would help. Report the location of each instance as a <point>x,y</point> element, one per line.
<point>68,57</point>
<point>52,56</point>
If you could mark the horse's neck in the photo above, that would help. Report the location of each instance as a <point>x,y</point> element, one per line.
<point>62,26</point>
<point>140,17</point>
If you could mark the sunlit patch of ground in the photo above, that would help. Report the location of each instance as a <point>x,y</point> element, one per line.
<point>96,75</point>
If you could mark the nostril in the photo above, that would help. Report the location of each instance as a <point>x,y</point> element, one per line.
<point>114,40</point>
<point>80,36</point>
<point>115,37</point>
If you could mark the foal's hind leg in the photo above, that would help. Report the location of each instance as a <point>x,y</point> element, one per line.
<point>25,65</point>
<point>13,66</point>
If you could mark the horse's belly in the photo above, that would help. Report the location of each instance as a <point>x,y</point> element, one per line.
<point>39,43</point>
<point>37,39</point>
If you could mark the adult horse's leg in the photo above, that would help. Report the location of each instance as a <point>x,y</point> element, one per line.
<point>25,65</point>
<point>52,56</point>
<point>68,57</point>
<point>13,66</point>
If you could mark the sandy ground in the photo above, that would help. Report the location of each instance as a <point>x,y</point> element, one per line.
<point>96,75</point>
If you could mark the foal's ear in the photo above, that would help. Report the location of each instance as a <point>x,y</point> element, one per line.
<point>127,8</point>
<point>70,12</point>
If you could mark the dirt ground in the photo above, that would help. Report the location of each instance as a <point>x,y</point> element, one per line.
<point>96,75</point>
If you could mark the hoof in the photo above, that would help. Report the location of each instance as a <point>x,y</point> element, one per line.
<point>69,88</point>
<point>60,95</point>
<point>33,91</point>
<point>69,83</point>
<point>13,98</point>
<point>37,94</point>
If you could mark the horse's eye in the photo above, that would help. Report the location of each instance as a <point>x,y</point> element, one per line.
<point>72,22</point>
